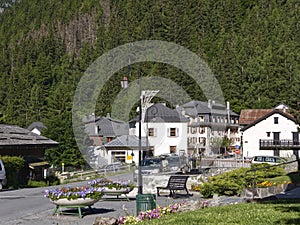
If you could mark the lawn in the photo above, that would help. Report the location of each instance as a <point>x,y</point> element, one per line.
<point>283,212</point>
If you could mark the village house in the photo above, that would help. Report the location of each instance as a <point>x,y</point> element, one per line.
<point>272,132</point>
<point>209,123</point>
<point>17,141</point>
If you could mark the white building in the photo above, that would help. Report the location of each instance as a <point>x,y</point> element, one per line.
<point>165,128</point>
<point>209,123</point>
<point>275,134</point>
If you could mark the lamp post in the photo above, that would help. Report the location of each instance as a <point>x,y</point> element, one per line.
<point>124,85</point>
<point>144,100</point>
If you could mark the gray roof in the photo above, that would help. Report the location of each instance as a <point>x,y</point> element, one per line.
<point>37,125</point>
<point>194,108</point>
<point>109,127</point>
<point>15,135</point>
<point>128,141</point>
<point>161,113</point>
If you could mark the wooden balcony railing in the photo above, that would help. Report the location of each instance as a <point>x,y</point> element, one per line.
<point>278,144</point>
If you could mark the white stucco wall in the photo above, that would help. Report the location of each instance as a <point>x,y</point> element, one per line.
<point>161,139</point>
<point>252,135</point>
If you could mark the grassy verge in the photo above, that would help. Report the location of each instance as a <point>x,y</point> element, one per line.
<point>246,213</point>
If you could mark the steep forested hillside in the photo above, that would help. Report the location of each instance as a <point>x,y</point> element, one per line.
<point>252,46</point>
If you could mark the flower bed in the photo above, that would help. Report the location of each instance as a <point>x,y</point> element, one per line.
<point>72,193</point>
<point>111,184</point>
<point>150,214</point>
<point>113,188</point>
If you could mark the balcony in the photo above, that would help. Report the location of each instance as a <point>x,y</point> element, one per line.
<point>279,144</point>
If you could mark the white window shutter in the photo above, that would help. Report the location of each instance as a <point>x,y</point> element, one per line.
<point>177,132</point>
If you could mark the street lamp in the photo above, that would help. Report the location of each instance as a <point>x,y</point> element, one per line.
<point>124,85</point>
<point>145,99</point>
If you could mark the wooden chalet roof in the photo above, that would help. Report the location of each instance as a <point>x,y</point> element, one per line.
<point>12,135</point>
<point>248,116</point>
<point>274,111</point>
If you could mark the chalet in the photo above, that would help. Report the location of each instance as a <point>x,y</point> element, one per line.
<point>36,127</point>
<point>102,129</point>
<point>17,141</point>
<point>274,133</point>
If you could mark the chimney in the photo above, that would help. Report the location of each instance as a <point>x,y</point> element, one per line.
<point>209,104</point>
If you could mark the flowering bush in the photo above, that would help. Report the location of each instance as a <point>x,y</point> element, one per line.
<point>150,214</point>
<point>74,193</point>
<point>266,184</point>
<point>110,184</point>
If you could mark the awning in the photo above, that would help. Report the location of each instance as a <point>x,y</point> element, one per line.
<point>38,165</point>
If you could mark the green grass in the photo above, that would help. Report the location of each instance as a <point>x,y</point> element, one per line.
<point>245,213</point>
<point>34,184</point>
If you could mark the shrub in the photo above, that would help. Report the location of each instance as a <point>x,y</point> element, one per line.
<point>12,164</point>
<point>233,182</point>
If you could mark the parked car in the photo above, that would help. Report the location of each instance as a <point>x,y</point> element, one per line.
<point>3,180</point>
<point>178,164</point>
<point>170,163</point>
<point>272,160</point>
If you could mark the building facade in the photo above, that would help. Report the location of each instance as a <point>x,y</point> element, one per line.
<point>209,124</point>
<point>274,134</point>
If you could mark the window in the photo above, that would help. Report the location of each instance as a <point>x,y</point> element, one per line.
<point>201,130</point>
<point>268,134</point>
<point>275,120</point>
<point>194,130</point>
<point>201,118</point>
<point>173,132</point>
<point>172,149</point>
<point>118,156</point>
<point>151,132</point>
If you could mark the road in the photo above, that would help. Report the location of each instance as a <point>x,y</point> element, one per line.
<point>30,207</point>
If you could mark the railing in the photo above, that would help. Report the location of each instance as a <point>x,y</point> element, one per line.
<point>271,144</point>
<point>223,163</point>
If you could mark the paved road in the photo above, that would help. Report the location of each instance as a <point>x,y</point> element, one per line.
<point>30,207</point>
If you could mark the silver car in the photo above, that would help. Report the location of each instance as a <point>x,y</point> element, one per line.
<point>3,180</point>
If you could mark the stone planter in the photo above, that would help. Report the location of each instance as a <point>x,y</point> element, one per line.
<point>117,192</point>
<point>75,202</point>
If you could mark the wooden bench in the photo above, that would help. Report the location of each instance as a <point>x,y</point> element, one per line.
<point>175,183</point>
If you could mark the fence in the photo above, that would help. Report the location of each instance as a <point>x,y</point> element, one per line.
<point>222,163</point>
